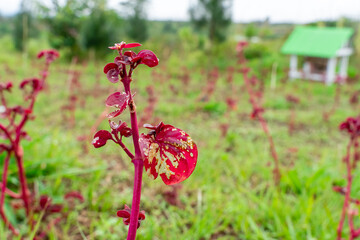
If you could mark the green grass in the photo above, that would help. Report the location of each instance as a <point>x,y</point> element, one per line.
<point>230,195</point>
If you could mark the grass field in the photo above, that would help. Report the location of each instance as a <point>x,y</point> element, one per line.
<point>231,194</point>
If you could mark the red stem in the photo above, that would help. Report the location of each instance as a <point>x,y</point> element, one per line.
<point>4,180</point>
<point>122,145</point>
<point>127,151</point>
<point>276,170</point>
<point>3,192</point>
<point>22,178</point>
<point>348,190</point>
<point>137,161</point>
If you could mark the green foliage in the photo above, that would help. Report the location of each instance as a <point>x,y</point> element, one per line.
<point>214,16</point>
<point>256,50</point>
<point>230,195</point>
<point>5,25</point>
<point>64,22</point>
<point>251,30</point>
<point>24,27</point>
<point>101,28</point>
<point>217,108</point>
<point>137,28</point>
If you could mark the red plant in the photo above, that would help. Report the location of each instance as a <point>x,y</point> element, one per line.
<point>74,89</point>
<point>354,98</point>
<point>210,87</point>
<point>255,98</point>
<point>240,51</point>
<point>165,151</point>
<point>13,133</point>
<point>185,78</point>
<point>352,127</point>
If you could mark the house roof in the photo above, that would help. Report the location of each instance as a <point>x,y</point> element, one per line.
<point>316,41</point>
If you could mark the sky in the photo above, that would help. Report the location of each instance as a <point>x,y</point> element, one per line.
<point>296,11</point>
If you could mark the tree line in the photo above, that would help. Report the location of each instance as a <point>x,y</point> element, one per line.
<point>80,26</point>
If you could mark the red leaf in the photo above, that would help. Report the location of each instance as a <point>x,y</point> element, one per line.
<point>33,82</point>
<point>125,213</point>
<point>100,138</point>
<point>44,201</point>
<point>121,128</point>
<point>113,75</point>
<point>6,86</point>
<point>148,58</point>
<point>168,152</point>
<point>74,194</point>
<point>55,208</point>
<point>132,45</point>
<point>50,54</point>
<point>110,66</point>
<point>118,100</point>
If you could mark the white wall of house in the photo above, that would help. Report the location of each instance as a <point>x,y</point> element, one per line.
<point>330,75</point>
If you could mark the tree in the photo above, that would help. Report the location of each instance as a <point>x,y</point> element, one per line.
<point>213,15</point>
<point>101,28</point>
<point>64,21</point>
<point>136,18</point>
<point>23,26</point>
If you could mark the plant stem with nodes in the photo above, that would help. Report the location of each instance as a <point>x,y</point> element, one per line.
<point>136,160</point>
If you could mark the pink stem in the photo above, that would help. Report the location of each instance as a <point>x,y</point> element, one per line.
<point>11,193</point>
<point>22,177</point>
<point>4,180</point>
<point>122,145</point>
<point>127,151</point>
<point>347,192</point>
<point>137,161</point>
<point>3,192</point>
<point>276,170</point>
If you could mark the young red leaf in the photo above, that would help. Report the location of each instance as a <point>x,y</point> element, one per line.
<point>101,137</point>
<point>148,58</point>
<point>121,128</point>
<point>113,75</point>
<point>6,86</point>
<point>168,152</point>
<point>110,66</point>
<point>50,54</point>
<point>33,82</point>
<point>55,208</point>
<point>75,195</point>
<point>118,100</point>
<point>126,213</point>
<point>132,45</point>
<point>44,201</point>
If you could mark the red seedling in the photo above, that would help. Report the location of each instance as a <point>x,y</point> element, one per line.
<point>13,132</point>
<point>166,151</point>
<point>352,126</point>
<point>255,98</point>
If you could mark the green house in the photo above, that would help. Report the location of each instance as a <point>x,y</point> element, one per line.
<point>322,50</point>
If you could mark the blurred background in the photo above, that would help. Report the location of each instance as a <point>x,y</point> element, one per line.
<point>198,86</point>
